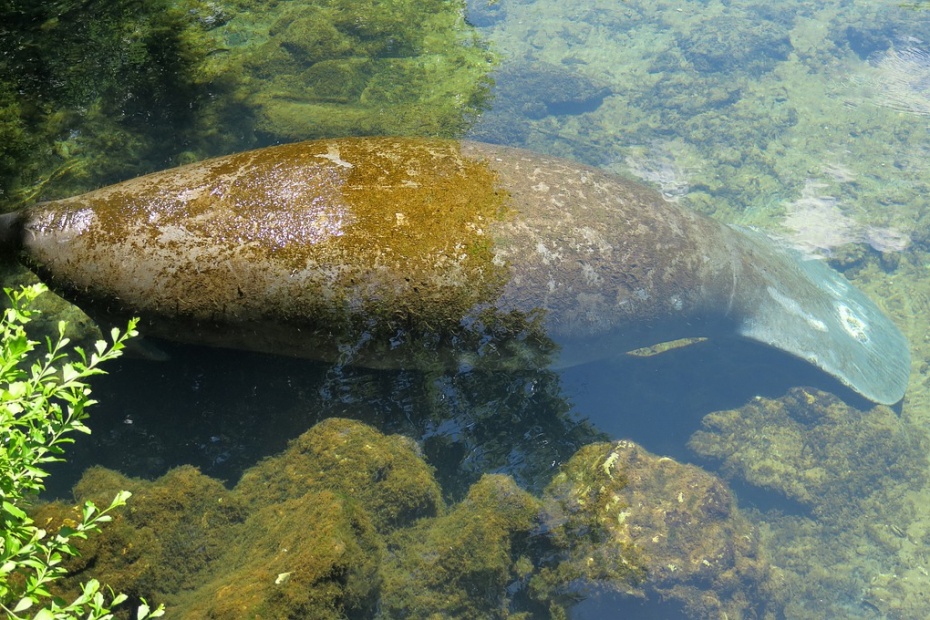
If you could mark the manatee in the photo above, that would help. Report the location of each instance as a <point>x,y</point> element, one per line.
<point>401,252</point>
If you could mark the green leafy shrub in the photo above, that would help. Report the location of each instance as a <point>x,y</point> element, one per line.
<point>41,403</point>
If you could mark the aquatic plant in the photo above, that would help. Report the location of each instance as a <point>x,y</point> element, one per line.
<point>309,69</point>
<point>39,408</point>
<point>109,82</point>
<point>637,525</point>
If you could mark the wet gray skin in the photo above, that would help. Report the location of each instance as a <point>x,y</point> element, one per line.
<point>396,252</point>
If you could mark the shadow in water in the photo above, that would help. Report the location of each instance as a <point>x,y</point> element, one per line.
<point>223,410</point>
<point>607,605</point>
<point>659,401</point>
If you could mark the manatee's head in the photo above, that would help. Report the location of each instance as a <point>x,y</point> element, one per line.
<point>802,306</point>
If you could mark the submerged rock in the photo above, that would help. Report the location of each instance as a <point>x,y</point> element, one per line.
<point>299,536</point>
<point>345,67</point>
<point>437,568</point>
<point>173,529</point>
<point>348,522</point>
<point>316,556</point>
<point>633,523</point>
<point>384,473</point>
<point>813,448</point>
<point>724,44</point>
<point>858,479</point>
<point>525,92</point>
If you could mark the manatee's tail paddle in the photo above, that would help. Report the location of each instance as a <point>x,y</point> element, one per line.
<point>805,308</point>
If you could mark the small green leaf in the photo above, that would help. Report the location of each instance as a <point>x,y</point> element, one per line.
<point>23,604</point>
<point>43,614</point>
<point>14,511</point>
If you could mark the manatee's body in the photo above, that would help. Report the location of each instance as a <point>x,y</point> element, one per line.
<point>393,252</point>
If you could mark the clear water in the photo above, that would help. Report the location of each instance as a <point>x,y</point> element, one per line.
<point>808,119</point>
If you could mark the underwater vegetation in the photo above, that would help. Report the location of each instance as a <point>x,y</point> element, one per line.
<point>814,449</point>
<point>438,567</point>
<point>755,98</point>
<point>347,520</point>
<point>857,478</point>
<point>650,527</point>
<point>298,70</point>
<point>105,82</point>
<point>900,79</point>
<point>95,91</point>
<point>529,91</point>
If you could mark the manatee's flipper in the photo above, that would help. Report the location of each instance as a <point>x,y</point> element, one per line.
<point>11,232</point>
<point>140,348</point>
<point>805,308</point>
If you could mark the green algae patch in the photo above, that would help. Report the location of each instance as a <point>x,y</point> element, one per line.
<point>343,67</point>
<point>174,529</point>
<point>436,568</point>
<point>313,557</point>
<point>383,473</point>
<point>646,526</point>
<point>813,448</point>
<point>859,478</point>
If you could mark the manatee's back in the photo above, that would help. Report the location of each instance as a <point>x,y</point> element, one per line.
<point>271,248</point>
<point>613,264</point>
<point>374,237</point>
<point>404,251</point>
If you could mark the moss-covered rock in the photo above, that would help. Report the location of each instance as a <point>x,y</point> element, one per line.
<point>438,568</point>
<point>859,477</point>
<point>385,474</point>
<point>302,535</point>
<point>302,543</point>
<point>348,521</point>
<point>313,557</point>
<point>811,447</point>
<point>186,540</point>
<point>173,530</point>
<point>641,525</point>
<point>342,67</point>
